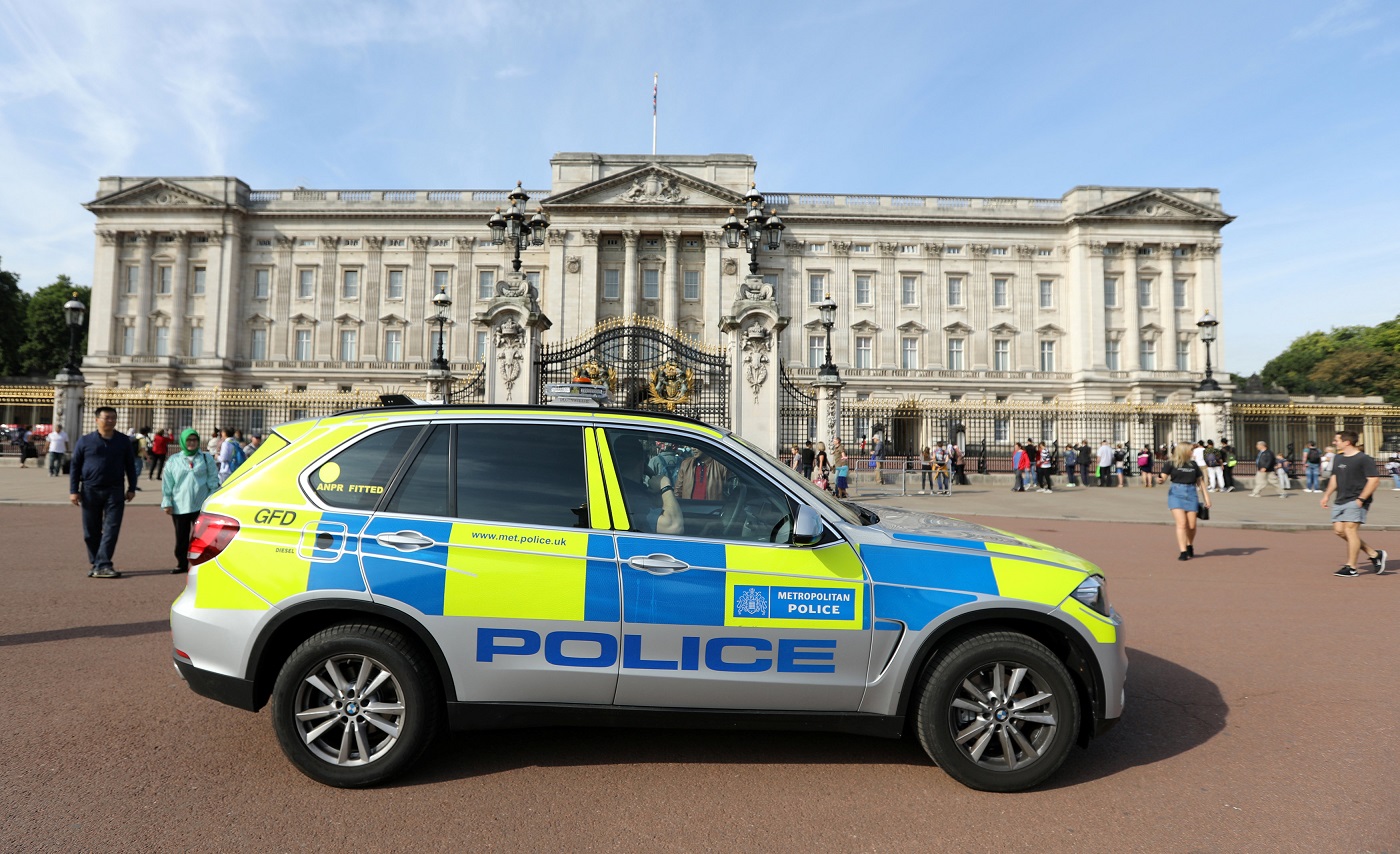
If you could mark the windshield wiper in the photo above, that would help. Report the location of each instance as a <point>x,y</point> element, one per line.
<point>867,517</point>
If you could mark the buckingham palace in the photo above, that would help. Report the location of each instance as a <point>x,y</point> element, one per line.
<point>1091,297</point>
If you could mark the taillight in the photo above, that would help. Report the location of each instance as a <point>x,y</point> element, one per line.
<point>212,533</point>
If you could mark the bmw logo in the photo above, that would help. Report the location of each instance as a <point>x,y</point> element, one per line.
<point>1000,715</point>
<point>351,708</point>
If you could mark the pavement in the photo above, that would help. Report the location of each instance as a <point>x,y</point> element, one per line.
<point>1296,511</point>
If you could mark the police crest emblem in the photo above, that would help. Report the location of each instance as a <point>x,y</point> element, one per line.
<point>752,602</point>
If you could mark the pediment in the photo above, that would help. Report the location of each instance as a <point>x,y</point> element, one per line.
<point>648,186</point>
<point>1156,204</point>
<point>957,328</point>
<point>156,193</point>
<point>159,315</point>
<point>1004,329</point>
<point>864,326</point>
<point>814,325</point>
<point>392,319</point>
<point>303,317</point>
<point>258,318</point>
<point>1050,330</point>
<point>912,327</point>
<point>1151,330</point>
<point>348,318</point>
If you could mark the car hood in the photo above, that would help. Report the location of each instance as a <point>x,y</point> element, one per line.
<point>909,528</point>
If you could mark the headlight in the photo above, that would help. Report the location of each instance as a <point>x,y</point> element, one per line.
<point>1093,593</point>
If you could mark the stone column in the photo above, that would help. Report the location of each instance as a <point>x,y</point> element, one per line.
<point>671,284</point>
<point>69,392</point>
<point>516,324</point>
<point>1168,311</point>
<point>327,346</point>
<point>1211,414</point>
<point>418,302</point>
<point>371,297</point>
<point>629,274</point>
<point>554,278</point>
<point>107,284</point>
<point>144,290</point>
<point>978,299</point>
<point>586,288</point>
<point>1090,305</point>
<point>712,293</point>
<point>460,348</point>
<point>226,257</point>
<point>1208,289</point>
<point>753,327</point>
<point>280,344</point>
<point>179,299</point>
<point>1132,311</point>
<point>828,389</point>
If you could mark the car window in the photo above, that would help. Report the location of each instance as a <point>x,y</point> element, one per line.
<point>786,472</point>
<point>423,489</point>
<point>356,478</point>
<point>720,495</point>
<point>525,474</point>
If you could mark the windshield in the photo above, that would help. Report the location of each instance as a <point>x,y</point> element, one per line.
<point>777,467</point>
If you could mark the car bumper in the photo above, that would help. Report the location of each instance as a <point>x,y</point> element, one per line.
<point>226,689</point>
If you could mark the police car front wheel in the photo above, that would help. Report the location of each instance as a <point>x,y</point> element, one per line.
<point>355,705</point>
<point>998,712</point>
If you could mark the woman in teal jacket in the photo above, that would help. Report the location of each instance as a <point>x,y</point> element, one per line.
<point>190,477</point>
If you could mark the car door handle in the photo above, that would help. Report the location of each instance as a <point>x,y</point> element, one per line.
<point>657,564</point>
<point>405,541</point>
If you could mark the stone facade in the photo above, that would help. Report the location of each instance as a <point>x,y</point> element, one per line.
<point>205,282</point>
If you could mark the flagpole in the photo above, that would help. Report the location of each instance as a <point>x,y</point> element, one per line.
<point>654,80</point>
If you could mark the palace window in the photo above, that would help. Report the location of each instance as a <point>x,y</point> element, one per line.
<point>481,341</point>
<point>396,243</point>
<point>165,276</point>
<point>1001,355</point>
<point>162,340</point>
<point>612,284</point>
<point>816,351</point>
<point>1148,353</point>
<point>441,280</point>
<point>816,287</point>
<point>1144,292</point>
<point>909,353</point>
<point>197,282</point>
<point>258,350</point>
<point>864,291</point>
<point>350,284</point>
<point>1110,292</point>
<point>133,279</point>
<point>953,250</point>
<point>908,290</point>
<point>1047,293</point>
<point>1043,253</point>
<point>997,250</point>
<point>1179,293</point>
<point>347,345</point>
<point>1001,293</point>
<point>306,283</point>
<point>128,340</point>
<point>196,341</point>
<point>1111,357</point>
<point>485,284</point>
<point>955,290</point>
<point>690,284</point>
<point>955,354</point>
<point>302,345</point>
<point>393,345</point>
<point>1047,355</point>
<point>865,351</point>
<point>1183,355</point>
<point>262,283</point>
<point>861,248</point>
<point>651,284</point>
<point>394,288</point>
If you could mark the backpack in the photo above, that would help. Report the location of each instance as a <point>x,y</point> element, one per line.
<point>1071,458</point>
<point>238,457</point>
<point>1212,458</point>
<point>1314,457</point>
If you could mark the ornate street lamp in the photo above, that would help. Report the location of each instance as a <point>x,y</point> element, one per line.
<point>1207,325</point>
<point>756,229</point>
<point>442,302</point>
<point>74,313</point>
<point>827,308</point>
<point>514,227</point>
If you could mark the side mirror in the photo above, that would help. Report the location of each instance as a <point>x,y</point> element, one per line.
<point>807,528</point>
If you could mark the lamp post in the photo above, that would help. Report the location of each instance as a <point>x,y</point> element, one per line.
<point>513,226</point>
<point>827,309</point>
<point>73,313</point>
<point>1207,325</point>
<point>756,229</point>
<point>442,302</point>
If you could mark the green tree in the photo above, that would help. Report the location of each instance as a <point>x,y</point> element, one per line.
<point>1355,360</point>
<point>13,313</point>
<point>46,350</point>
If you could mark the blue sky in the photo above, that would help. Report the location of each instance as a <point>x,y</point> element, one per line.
<point>1291,109</point>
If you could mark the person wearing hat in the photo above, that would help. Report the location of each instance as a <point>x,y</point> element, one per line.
<point>190,477</point>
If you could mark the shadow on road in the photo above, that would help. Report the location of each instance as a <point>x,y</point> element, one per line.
<point>114,630</point>
<point>1170,710</point>
<point>1243,551</point>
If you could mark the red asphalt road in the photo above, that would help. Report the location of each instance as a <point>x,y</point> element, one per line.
<point>1261,717</point>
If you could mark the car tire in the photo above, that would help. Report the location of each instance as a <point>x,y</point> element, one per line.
<point>997,695</point>
<point>355,705</point>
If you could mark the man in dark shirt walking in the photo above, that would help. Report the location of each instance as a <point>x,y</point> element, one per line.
<point>101,461</point>
<point>809,458</point>
<point>1354,480</point>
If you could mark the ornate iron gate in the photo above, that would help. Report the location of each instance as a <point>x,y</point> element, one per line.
<point>797,412</point>
<point>645,365</point>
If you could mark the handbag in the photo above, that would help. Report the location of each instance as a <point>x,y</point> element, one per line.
<point>1203,513</point>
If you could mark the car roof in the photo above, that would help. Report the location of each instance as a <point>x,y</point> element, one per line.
<point>533,410</point>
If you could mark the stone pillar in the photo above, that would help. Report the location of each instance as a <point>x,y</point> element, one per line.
<point>1211,415</point>
<point>753,326</point>
<point>180,297</point>
<point>371,297</point>
<point>587,288</point>
<point>555,277</point>
<point>671,284</point>
<point>1132,311</point>
<point>516,323</point>
<point>460,349</point>
<point>108,283</point>
<point>144,289</point>
<point>828,389</point>
<point>629,274</point>
<point>1168,311</point>
<point>69,391</point>
<point>712,284</point>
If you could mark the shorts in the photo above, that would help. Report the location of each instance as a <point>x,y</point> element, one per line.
<point>1349,512</point>
<point>1184,496</point>
<point>841,481</point>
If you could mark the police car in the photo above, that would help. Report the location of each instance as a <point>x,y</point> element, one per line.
<point>381,575</point>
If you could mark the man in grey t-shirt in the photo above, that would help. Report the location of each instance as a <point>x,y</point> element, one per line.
<point>1354,480</point>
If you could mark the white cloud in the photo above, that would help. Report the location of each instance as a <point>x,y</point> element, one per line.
<point>1340,19</point>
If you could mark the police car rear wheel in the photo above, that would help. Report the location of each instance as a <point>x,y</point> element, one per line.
<point>998,712</point>
<point>355,705</point>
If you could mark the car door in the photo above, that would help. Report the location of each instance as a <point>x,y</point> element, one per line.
<point>489,534</point>
<point>727,614</point>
